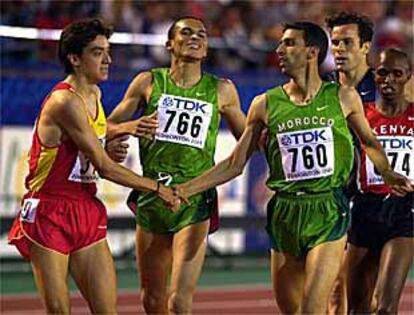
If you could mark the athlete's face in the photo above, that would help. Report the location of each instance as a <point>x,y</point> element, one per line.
<point>391,75</point>
<point>94,61</point>
<point>189,41</point>
<point>346,47</point>
<point>292,51</point>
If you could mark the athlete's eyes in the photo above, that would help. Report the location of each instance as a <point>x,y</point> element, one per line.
<point>347,42</point>
<point>382,72</point>
<point>288,42</point>
<point>202,35</point>
<point>185,31</point>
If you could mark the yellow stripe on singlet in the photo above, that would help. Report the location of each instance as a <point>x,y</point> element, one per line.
<point>45,162</point>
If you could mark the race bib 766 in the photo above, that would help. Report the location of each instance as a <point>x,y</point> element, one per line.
<point>183,120</point>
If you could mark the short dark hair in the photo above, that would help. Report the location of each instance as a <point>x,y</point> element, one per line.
<point>399,54</point>
<point>171,30</point>
<point>365,25</point>
<point>313,35</point>
<point>77,35</point>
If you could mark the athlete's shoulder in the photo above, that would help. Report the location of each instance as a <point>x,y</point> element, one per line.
<point>141,82</point>
<point>274,94</point>
<point>146,76</point>
<point>63,98</point>
<point>261,98</point>
<point>330,87</point>
<point>366,87</point>
<point>225,85</point>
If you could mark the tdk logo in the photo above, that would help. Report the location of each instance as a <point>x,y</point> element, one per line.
<point>304,137</point>
<point>396,143</point>
<point>186,104</point>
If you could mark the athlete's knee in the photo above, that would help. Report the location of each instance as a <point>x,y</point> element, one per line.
<point>57,305</point>
<point>179,303</point>
<point>386,301</point>
<point>104,307</point>
<point>385,309</point>
<point>153,302</point>
<point>386,305</point>
<point>314,306</point>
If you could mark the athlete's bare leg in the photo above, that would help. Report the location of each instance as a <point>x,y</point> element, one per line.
<point>288,278</point>
<point>189,247</point>
<point>154,258</point>
<point>338,302</point>
<point>94,272</point>
<point>396,259</point>
<point>50,270</point>
<point>362,271</point>
<point>322,268</point>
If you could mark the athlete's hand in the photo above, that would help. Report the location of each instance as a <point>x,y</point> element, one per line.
<point>167,194</point>
<point>400,185</point>
<point>144,126</point>
<point>181,193</point>
<point>117,148</point>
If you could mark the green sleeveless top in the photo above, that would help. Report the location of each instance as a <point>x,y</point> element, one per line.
<point>309,147</point>
<point>189,121</point>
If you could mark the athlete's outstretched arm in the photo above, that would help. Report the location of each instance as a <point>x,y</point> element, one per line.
<point>137,94</point>
<point>234,164</point>
<point>353,110</point>
<point>229,106</point>
<point>68,113</point>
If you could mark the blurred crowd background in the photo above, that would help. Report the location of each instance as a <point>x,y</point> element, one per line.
<point>249,30</point>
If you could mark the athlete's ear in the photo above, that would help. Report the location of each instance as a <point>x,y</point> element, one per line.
<point>313,52</point>
<point>168,45</point>
<point>366,47</point>
<point>74,59</point>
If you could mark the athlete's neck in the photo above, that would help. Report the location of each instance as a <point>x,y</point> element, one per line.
<point>81,85</point>
<point>394,107</point>
<point>354,76</point>
<point>185,74</point>
<point>303,87</point>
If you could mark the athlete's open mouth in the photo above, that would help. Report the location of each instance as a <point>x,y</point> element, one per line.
<point>341,60</point>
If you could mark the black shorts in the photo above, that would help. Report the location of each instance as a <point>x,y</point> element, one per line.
<point>378,218</point>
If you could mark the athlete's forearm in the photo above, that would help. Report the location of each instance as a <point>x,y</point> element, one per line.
<point>114,130</point>
<point>220,174</point>
<point>123,176</point>
<point>377,155</point>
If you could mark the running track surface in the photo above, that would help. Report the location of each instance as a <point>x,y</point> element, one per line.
<point>217,300</point>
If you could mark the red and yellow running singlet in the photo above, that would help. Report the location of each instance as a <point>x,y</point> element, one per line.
<point>63,170</point>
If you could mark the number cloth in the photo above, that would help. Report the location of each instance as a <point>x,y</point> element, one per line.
<point>310,156</point>
<point>184,148</point>
<point>396,135</point>
<point>60,211</point>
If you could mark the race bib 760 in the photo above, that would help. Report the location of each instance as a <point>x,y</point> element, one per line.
<point>307,154</point>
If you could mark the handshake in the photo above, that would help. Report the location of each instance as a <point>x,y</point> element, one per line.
<point>172,196</point>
